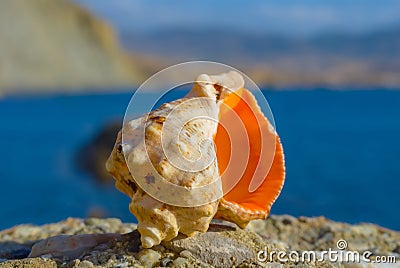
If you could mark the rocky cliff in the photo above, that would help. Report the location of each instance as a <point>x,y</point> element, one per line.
<point>53,44</point>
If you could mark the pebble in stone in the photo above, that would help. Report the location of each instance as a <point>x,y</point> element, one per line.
<point>149,257</point>
<point>185,253</point>
<point>85,264</point>
<point>123,265</point>
<point>179,262</point>
<point>165,262</point>
<point>159,248</point>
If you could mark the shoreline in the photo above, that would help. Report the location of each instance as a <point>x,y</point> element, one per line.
<point>32,93</point>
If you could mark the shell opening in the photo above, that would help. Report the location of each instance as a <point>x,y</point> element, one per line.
<point>250,187</point>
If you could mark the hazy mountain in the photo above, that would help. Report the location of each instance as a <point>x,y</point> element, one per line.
<point>289,17</point>
<point>367,59</point>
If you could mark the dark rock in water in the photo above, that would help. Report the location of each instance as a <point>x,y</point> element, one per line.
<point>222,246</point>
<point>91,158</point>
<point>12,250</point>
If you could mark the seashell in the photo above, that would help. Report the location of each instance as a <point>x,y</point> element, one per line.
<point>179,168</point>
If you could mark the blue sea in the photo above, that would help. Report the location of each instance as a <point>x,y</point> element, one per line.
<point>342,155</point>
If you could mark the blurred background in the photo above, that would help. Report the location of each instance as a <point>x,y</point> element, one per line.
<point>329,69</point>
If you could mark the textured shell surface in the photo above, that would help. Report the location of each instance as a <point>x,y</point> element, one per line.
<point>170,158</point>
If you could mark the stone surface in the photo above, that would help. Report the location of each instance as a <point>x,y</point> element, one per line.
<point>31,263</point>
<point>224,245</point>
<point>321,234</point>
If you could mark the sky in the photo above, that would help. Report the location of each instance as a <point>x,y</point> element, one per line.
<point>289,17</point>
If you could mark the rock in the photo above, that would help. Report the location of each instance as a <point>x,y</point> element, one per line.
<point>13,250</point>
<point>91,157</point>
<point>185,254</point>
<point>85,264</point>
<point>220,246</point>
<point>180,262</point>
<point>57,44</point>
<point>165,262</point>
<point>223,245</point>
<point>70,246</point>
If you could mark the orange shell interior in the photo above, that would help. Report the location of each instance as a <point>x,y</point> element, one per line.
<point>254,184</point>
